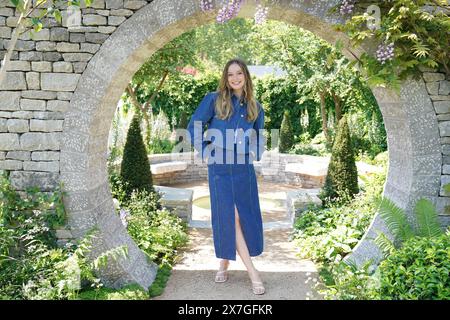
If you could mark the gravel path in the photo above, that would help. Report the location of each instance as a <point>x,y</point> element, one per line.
<point>285,276</point>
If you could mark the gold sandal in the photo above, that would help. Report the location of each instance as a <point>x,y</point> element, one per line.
<point>221,276</point>
<point>258,288</point>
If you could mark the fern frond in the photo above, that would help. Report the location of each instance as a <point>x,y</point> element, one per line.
<point>386,246</point>
<point>115,253</point>
<point>395,219</point>
<point>427,219</point>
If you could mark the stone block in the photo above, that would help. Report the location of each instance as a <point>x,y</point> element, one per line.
<point>59,81</point>
<point>22,115</point>
<point>3,125</point>
<point>30,104</point>
<point>90,47</point>
<point>9,141</point>
<point>433,88</point>
<point>39,94</point>
<point>14,81</point>
<point>115,20</point>
<point>46,125</point>
<point>10,165</point>
<point>93,20</point>
<point>33,81</point>
<point>59,34</point>
<point>121,12</point>
<point>31,56</point>
<point>62,67</point>
<point>444,87</point>
<point>51,56</point>
<point>433,76</point>
<point>96,37</point>
<point>63,96</point>
<point>444,128</point>
<point>32,141</point>
<point>19,155</point>
<point>10,100</point>
<point>45,155</point>
<point>77,37</point>
<point>114,4</point>
<point>78,56</point>
<point>17,125</point>
<point>58,105</point>
<point>17,65</point>
<point>442,106</point>
<point>48,166</point>
<point>45,46</point>
<point>41,66</point>
<point>67,47</point>
<point>134,4</point>
<point>46,181</point>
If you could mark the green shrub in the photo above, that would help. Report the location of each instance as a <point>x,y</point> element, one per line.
<point>135,168</point>
<point>157,287</point>
<point>157,232</point>
<point>32,266</point>
<point>419,270</point>
<point>347,282</point>
<point>129,292</point>
<point>327,234</point>
<point>286,133</point>
<point>160,146</point>
<point>341,183</point>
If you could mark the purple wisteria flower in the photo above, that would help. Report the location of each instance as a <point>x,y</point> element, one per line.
<point>385,52</point>
<point>347,6</point>
<point>229,11</point>
<point>261,14</point>
<point>123,217</point>
<point>206,5</point>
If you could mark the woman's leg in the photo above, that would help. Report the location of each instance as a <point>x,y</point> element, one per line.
<point>242,249</point>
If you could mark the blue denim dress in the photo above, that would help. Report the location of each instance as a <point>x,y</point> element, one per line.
<point>231,174</point>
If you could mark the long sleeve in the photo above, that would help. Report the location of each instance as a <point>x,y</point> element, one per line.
<point>202,115</point>
<point>259,143</point>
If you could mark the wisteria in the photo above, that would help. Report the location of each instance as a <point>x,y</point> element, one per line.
<point>261,14</point>
<point>229,11</point>
<point>385,52</point>
<point>206,5</point>
<point>347,6</point>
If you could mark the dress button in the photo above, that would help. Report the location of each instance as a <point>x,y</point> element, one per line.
<point>242,115</point>
<point>240,142</point>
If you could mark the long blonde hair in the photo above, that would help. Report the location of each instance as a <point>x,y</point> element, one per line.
<point>223,105</point>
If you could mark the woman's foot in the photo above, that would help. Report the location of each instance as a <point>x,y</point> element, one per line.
<point>222,274</point>
<point>258,288</point>
<point>257,284</point>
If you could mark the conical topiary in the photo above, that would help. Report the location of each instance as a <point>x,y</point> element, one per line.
<point>135,168</point>
<point>342,176</point>
<point>286,133</point>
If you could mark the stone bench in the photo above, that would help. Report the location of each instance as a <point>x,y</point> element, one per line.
<point>309,174</point>
<point>167,167</point>
<point>178,200</point>
<point>298,201</point>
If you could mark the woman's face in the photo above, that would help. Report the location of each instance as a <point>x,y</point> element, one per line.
<point>236,77</point>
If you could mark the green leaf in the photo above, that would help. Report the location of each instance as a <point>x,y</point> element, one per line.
<point>385,244</point>
<point>395,219</point>
<point>427,219</point>
<point>57,15</point>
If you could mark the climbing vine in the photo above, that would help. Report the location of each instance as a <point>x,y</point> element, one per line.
<point>409,34</point>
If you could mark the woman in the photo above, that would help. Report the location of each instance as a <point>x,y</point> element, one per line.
<point>235,123</point>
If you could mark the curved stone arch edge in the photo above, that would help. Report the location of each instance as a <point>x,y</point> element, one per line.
<point>89,114</point>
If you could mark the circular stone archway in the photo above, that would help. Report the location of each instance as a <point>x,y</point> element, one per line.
<point>415,157</point>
